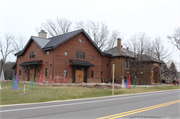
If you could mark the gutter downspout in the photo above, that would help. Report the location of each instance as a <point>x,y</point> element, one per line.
<point>53,64</point>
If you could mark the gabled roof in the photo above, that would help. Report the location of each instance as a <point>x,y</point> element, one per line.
<point>124,52</point>
<point>41,42</point>
<point>128,53</point>
<point>14,65</point>
<point>150,58</point>
<point>53,42</point>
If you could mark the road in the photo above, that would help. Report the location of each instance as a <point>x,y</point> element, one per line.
<point>164,104</point>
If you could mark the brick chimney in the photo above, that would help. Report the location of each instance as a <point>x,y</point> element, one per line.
<point>43,34</point>
<point>118,45</point>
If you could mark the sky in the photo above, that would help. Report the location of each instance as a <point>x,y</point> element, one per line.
<point>157,18</point>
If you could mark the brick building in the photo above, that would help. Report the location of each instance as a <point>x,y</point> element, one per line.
<point>75,56</point>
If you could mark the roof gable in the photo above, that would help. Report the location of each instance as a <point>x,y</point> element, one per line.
<point>58,40</point>
<point>41,42</point>
<point>53,42</point>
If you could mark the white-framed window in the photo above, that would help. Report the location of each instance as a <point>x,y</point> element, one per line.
<point>127,66</point>
<point>47,52</point>
<point>65,53</point>
<point>65,72</point>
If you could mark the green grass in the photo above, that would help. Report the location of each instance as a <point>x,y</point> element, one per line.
<point>51,93</point>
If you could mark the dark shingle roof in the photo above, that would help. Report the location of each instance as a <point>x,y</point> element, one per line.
<point>57,40</point>
<point>14,65</point>
<point>41,42</point>
<point>53,42</point>
<point>128,53</point>
<point>82,63</point>
<point>124,52</point>
<point>150,58</point>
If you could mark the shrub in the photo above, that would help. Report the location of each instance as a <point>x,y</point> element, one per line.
<point>163,81</point>
<point>174,81</point>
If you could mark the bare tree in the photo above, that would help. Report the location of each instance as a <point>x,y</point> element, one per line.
<point>175,38</point>
<point>100,34</point>
<point>138,44</point>
<point>56,27</point>
<point>6,47</point>
<point>158,50</point>
<point>98,31</point>
<point>19,42</point>
<point>112,42</point>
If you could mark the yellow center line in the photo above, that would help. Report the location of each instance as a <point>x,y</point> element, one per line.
<point>139,110</point>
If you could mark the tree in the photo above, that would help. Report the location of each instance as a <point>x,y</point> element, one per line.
<point>6,47</point>
<point>175,38</point>
<point>8,70</point>
<point>99,33</point>
<point>57,27</point>
<point>19,42</point>
<point>158,50</point>
<point>113,39</point>
<point>173,71</point>
<point>165,72</point>
<point>138,45</point>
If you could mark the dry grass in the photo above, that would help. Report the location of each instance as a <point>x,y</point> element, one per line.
<point>50,93</point>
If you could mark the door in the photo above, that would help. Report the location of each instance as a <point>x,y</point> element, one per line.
<point>79,76</point>
<point>156,77</point>
<point>31,74</point>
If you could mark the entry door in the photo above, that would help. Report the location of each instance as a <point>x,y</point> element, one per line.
<point>156,77</point>
<point>79,76</point>
<point>31,73</point>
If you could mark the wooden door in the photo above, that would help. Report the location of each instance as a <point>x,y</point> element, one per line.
<point>79,76</point>
<point>31,73</point>
<point>156,77</point>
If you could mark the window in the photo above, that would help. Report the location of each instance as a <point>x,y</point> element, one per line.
<point>65,72</point>
<point>83,55</point>
<point>107,65</point>
<point>80,40</point>
<point>76,54</point>
<point>32,54</point>
<point>20,57</point>
<point>101,72</point>
<point>65,53</point>
<point>19,72</point>
<point>38,70</point>
<point>47,52</point>
<point>46,72</point>
<point>80,55</point>
<point>92,57</point>
<point>92,74</point>
<point>127,64</point>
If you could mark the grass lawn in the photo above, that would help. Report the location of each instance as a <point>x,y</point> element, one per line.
<point>51,93</point>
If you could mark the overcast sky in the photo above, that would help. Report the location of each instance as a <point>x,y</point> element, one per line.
<point>158,18</point>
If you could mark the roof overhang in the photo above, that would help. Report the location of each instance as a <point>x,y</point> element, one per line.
<point>30,63</point>
<point>82,63</point>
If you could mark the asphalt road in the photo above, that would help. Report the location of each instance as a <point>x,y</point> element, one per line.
<point>164,104</point>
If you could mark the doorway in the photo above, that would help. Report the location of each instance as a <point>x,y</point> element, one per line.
<point>31,74</point>
<point>79,76</point>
